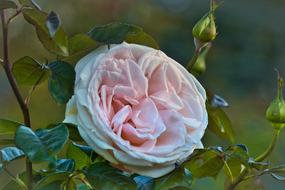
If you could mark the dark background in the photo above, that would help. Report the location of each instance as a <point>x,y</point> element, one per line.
<point>240,66</point>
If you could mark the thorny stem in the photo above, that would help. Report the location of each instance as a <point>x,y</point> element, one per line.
<point>8,70</point>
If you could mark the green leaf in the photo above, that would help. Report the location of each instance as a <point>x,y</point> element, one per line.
<point>9,154</point>
<point>180,177</point>
<point>41,145</point>
<point>28,71</point>
<point>66,165</point>
<point>52,181</point>
<point>79,46</point>
<point>219,123</point>
<point>205,163</point>
<point>57,44</point>
<point>81,159</point>
<point>7,4</point>
<point>61,82</point>
<point>115,33</point>
<point>8,127</point>
<point>52,23</point>
<point>104,177</point>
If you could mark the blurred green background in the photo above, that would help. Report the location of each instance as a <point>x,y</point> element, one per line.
<point>240,65</point>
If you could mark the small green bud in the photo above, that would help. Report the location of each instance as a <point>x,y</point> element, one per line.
<point>200,65</point>
<point>205,29</point>
<point>275,113</point>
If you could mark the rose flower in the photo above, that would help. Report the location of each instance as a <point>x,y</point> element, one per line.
<point>137,108</point>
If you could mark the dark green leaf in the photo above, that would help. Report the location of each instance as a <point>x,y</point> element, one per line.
<point>61,82</point>
<point>43,144</point>
<point>57,44</point>
<point>115,33</point>
<point>28,71</point>
<point>9,154</point>
<point>104,177</point>
<point>52,23</point>
<point>52,181</point>
<point>144,183</point>
<point>73,132</point>
<point>219,123</point>
<point>81,158</point>
<point>7,4</point>
<point>8,127</point>
<point>79,46</point>
<point>66,165</point>
<point>205,163</point>
<point>180,177</point>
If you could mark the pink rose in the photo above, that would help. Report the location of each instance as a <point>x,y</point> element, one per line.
<point>137,108</point>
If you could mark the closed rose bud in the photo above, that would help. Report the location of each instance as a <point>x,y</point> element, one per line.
<point>200,65</point>
<point>276,111</point>
<point>205,29</point>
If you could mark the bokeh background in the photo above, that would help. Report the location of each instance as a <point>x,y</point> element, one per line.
<point>240,65</point>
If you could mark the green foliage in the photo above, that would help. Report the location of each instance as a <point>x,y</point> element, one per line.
<point>179,178</point>
<point>67,165</point>
<point>7,131</point>
<point>75,153</point>
<point>104,177</point>
<point>7,4</point>
<point>115,33</point>
<point>56,43</point>
<point>8,127</point>
<point>205,163</point>
<point>28,71</point>
<point>61,81</point>
<point>43,144</point>
<point>52,181</point>
<point>219,123</point>
<point>79,45</point>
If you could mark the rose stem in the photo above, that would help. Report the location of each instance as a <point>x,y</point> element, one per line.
<point>24,107</point>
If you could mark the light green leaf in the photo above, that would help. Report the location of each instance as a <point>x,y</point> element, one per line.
<point>7,4</point>
<point>79,46</point>
<point>115,33</point>
<point>61,82</point>
<point>57,44</point>
<point>104,177</point>
<point>75,153</point>
<point>180,177</point>
<point>41,145</point>
<point>28,71</point>
<point>8,127</point>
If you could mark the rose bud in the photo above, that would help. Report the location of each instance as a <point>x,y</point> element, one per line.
<point>200,65</point>
<point>138,108</point>
<point>276,111</point>
<point>205,29</point>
